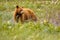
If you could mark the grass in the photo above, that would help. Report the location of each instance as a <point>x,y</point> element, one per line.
<point>41,30</point>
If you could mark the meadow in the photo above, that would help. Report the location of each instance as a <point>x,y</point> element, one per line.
<point>47,27</point>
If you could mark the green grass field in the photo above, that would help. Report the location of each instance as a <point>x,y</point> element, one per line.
<point>47,28</point>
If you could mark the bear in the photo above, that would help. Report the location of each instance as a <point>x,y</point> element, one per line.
<point>22,14</point>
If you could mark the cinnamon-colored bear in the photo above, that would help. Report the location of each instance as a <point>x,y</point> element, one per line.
<point>24,14</point>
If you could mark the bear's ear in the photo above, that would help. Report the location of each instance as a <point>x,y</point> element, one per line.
<point>17,6</point>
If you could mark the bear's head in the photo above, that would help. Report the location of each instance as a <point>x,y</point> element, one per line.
<point>18,12</point>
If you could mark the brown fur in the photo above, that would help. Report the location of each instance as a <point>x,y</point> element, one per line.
<point>23,14</point>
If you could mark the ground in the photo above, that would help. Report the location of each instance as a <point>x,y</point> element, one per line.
<point>47,28</point>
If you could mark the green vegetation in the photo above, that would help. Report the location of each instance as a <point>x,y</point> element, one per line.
<point>41,30</point>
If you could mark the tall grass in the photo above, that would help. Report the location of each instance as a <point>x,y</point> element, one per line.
<point>46,28</point>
